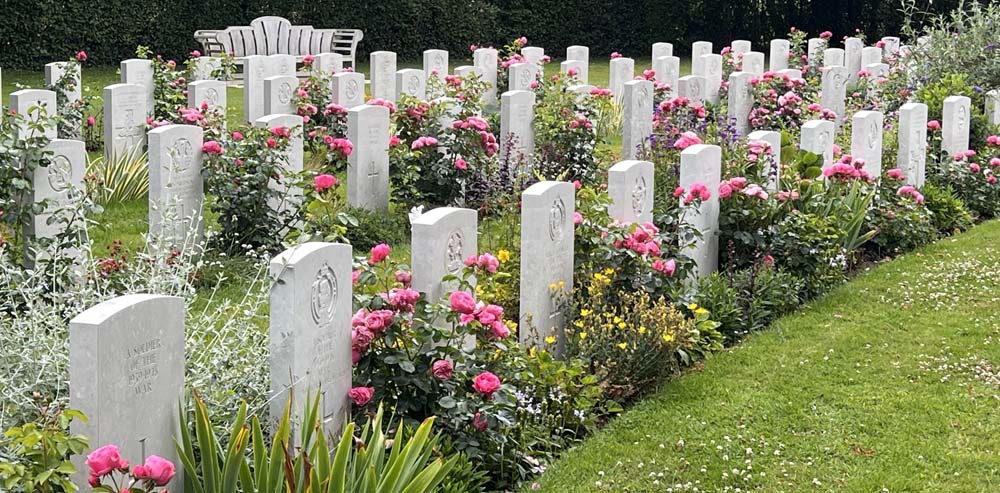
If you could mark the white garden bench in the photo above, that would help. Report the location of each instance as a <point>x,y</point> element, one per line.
<point>273,35</point>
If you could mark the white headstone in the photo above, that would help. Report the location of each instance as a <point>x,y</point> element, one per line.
<point>176,193</point>
<point>877,70</point>
<point>890,46</point>
<point>54,186</point>
<point>465,70</point>
<point>866,140</point>
<point>955,124</point>
<point>522,75</point>
<point>368,165</point>
<point>126,372</point>
<point>310,331</point>
<point>870,55</point>
<point>533,54</point>
<point>293,156</point>
<point>383,75</point>
<point>124,119</point>
<point>580,57</point>
<point>256,69</point>
<point>279,94</point>
<point>693,88</point>
<point>412,82</point>
<point>993,107</point>
<point>517,134</point>
<point>349,89</point>
<point>774,139</point>
<point>814,51</point>
<point>36,105</point>
<point>912,137</point>
<point>203,66</point>
<point>834,91</point>
<point>852,56</point>
<point>637,119</point>
<point>577,52</point>
<point>699,48</point>
<point>818,138</point>
<point>136,71</point>
<point>778,56</point>
<point>441,239</point>
<point>578,66</point>
<point>753,62</point>
<point>667,69</point>
<point>56,70</point>
<point>711,69</point>
<point>547,237</point>
<point>436,64</point>
<point>791,73</point>
<point>833,57</point>
<point>328,63</point>
<point>702,163</point>
<point>662,50</point>
<point>741,46</point>
<point>211,92</point>
<point>740,101</point>
<point>486,59</point>
<point>622,70</point>
<point>630,188</point>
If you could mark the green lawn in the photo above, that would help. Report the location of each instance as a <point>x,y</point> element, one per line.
<point>888,383</point>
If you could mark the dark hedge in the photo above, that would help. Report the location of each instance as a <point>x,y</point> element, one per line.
<point>35,32</point>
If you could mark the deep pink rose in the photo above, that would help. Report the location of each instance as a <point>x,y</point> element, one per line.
<point>462,302</point>
<point>479,423</point>
<point>379,253</point>
<point>324,182</point>
<point>442,369</point>
<point>486,383</point>
<point>106,460</point>
<point>361,395</point>
<point>156,469</point>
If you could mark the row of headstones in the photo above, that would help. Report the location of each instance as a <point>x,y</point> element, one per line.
<point>129,389</point>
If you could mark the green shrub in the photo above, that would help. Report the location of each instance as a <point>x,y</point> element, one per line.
<point>372,228</point>
<point>748,300</point>
<point>948,214</point>
<point>36,456</point>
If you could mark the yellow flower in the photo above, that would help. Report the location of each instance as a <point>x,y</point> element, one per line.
<point>562,284</point>
<point>667,337</point>
<point>642,330</point>
<point>622,325</point>
<point>552,287</point>
<point>503,255</point>
<point>583,335</point>
<point>622,345</point>
<point>617,320</point>
<point>585,312</point>
<point>700,311</point>
<point>550,340</point>
<point>609,271</point>
<point>693,306</point>
<point>578,323</point>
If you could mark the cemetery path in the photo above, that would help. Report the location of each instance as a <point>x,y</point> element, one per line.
<point>889,383</point>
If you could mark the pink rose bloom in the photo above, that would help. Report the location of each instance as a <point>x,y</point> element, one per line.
<point>666,267</point>
<point>212,147</point>
<point>354,276</point>
<point>522,41</point>
<point>974,168</point>
<point>461,164</point>
<point>81,56</point>
<point>686,140</point>
<point>995,162</point>
<point>308,60</point>
<point>361,395</point>
<point>725,190</point>
<point>678,192</point>
<point>106,460</point>
<point>499,330</point>
<point>237,136</point>
<point>271,143</point>
<point>91,121</point>
<point>990,179</point>
<point>826,35</point>
<point>462,302</point>
<point>195,54</point>
<point>616,55</point>
<point>486,383</point>
<point>156,469</point>
<point>442,369</point>
<point>379,253</point>
<point>488,262</point>
<point>473,47</point>
<point>993,140</point>
<point>577,218</point>
<point>404,278</point>
<point>934,125</point>
<point>895,174</point>
<point>479,423</point>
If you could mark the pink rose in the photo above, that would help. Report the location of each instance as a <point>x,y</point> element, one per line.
<point>895,174</point>
<point>379,253</point>
<point>461,164</point>
<point>934,125</point>
<point>686,140</point>
<point>442,369</point>
<point>462,302</point>
<point>237,136</point>
<point>324,182</point>
<point>106,460</point>
<point>195,54</point>
<point>577,218</point>
<point>91,121</point>
<point>479,423</point>
<point>361,395</point>
<point>156,469</point>
<point>212,147</point>
<point>404,278</point>
<point>81,56</point>
<point>486,383</point>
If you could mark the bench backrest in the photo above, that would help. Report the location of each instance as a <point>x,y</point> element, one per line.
<point>277,36</point>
